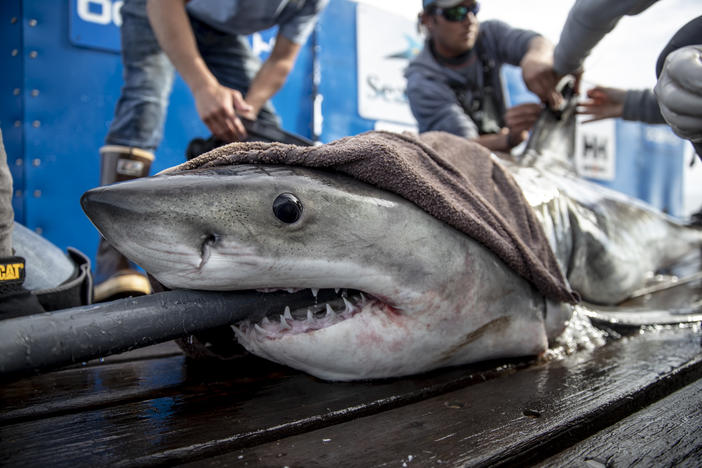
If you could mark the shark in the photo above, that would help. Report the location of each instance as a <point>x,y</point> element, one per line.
<point>404,292</point>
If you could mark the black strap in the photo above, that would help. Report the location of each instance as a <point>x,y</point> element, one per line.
<point>15,300</point>
<point>258,130</point>
<point>74,292</point>
<point>486,108</point>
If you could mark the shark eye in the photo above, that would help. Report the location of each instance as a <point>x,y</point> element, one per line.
<point>287,208</point>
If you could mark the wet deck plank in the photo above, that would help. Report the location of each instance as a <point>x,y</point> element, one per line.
<point>158,409</point>
<point>668,433</point>
<point>513,420</point>
<point>119,377</point>
<point>174,410</point>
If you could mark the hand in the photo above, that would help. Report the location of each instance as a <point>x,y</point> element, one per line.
<point>511,138</point>
<point>522,117</point>
<point>679,93</point>
<point>603,103</point>
<point>538,73</point>
<point>218,107</point>
<point>541,79</point>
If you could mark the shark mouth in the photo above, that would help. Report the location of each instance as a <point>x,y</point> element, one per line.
<point>324,308</point>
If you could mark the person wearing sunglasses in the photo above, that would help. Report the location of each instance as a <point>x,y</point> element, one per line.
<point>454,84</point>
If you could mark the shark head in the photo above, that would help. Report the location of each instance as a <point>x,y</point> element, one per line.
<point>414,294</point>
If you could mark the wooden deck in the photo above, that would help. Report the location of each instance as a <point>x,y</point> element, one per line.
<point>637,401</point>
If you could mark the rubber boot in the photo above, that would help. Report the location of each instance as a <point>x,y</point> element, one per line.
<point>115,275</point>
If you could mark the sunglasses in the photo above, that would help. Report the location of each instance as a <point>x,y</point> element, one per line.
<point>459,12</point>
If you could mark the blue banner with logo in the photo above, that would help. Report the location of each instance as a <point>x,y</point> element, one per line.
<point>95,23</point>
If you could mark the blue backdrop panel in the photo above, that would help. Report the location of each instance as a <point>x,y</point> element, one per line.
<point>649,165</point>
<point>95,24</point>
<point>338,86</point>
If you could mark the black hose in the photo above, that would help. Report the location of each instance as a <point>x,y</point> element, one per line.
<point>52,339</point>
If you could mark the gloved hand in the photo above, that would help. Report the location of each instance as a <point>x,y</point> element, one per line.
<point>15,300</point>
<point>679,92</point>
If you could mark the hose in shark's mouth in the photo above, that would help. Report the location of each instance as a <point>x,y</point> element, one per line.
<point>327,307</point>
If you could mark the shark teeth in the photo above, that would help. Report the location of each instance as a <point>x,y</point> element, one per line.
<point>303,321</point>
<point>284,323</point>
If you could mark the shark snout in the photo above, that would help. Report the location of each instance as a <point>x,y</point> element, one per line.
<point>102,205</point>
<point>109,205</point>
<point>94,200</point>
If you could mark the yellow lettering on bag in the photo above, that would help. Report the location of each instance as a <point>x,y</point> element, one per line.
<point>11,271</point>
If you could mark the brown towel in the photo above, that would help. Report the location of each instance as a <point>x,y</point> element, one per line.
<point>451,178</point>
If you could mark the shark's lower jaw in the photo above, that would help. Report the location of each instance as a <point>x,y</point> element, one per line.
<point>317,316</point>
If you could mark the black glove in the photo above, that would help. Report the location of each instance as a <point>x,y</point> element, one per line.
<point>15,300</point>
<point>198,146</point>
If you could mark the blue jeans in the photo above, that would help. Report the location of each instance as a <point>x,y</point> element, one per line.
<point>148,77</point>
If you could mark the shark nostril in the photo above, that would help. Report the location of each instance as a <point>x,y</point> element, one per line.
<point>210,239</point>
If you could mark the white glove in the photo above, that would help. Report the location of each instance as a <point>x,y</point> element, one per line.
<point>679,92</point>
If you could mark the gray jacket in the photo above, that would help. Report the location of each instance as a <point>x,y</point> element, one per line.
<point>434,89</point>
<point>640,105</point>
<point>587,23</point>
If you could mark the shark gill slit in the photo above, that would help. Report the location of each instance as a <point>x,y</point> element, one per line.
<point>210,240</point>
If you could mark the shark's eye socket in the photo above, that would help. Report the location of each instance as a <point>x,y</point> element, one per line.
<point>287,208</point>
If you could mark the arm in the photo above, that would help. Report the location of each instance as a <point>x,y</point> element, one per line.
<point>611,103</point>
<point>272,75</point>
<point>518,121</point>
<point>537,71</point>
<point>587,23</point>
<point>216,104</point>
<point>602,103</point>
<point>527,49</point>
<point>292,34</point>
<point>641,105</point>
<point>503,141</point>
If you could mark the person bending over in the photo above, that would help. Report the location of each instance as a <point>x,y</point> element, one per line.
<point>205,40</point>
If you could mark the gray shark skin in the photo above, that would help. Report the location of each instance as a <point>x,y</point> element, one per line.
<point>607,244</point>
<point>416,294</point>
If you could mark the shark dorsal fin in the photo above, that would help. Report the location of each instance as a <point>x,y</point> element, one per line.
<point>552,140</point>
